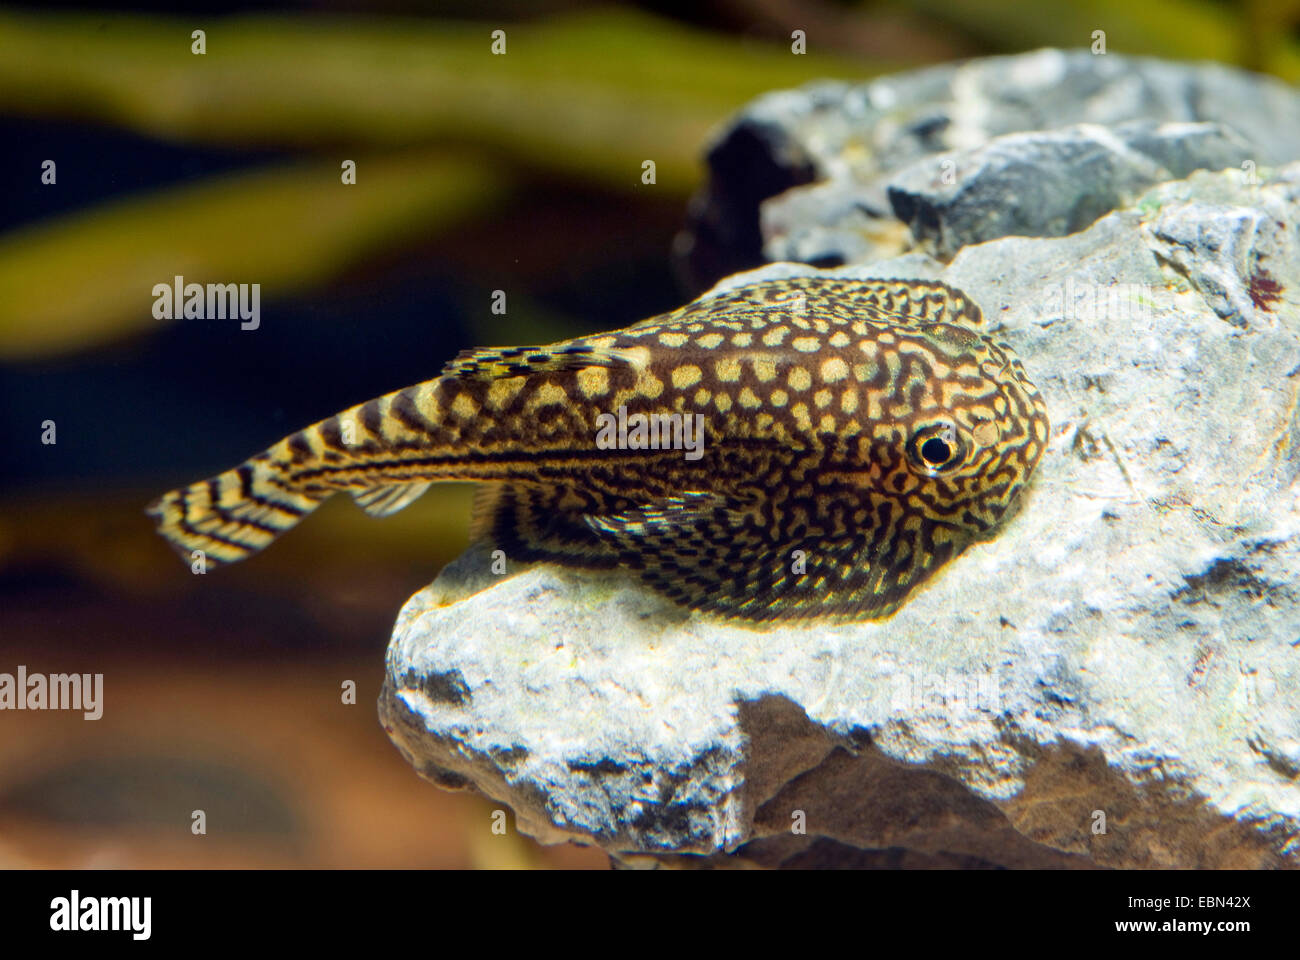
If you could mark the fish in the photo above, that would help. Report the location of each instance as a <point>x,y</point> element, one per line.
<point>853,437</point>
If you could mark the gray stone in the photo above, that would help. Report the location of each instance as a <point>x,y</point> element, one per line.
<point>1048,184</point>
<point>829,150</point>
<point>1126,646</point>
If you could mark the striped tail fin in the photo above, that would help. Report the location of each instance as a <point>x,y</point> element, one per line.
<point>384,452</point>
<point>381,451</point>
<point>234,514</point>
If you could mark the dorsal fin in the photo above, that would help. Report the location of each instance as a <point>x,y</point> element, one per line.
<point>831,298</point>
<point>492,363</point>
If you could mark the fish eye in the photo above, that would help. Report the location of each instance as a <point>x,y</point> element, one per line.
<point>936,452</point>
<point>935,447</point>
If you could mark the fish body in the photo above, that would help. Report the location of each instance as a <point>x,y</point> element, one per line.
<point>790,448</point>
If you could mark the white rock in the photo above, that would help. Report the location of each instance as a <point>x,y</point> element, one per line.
<point>1112,678</point>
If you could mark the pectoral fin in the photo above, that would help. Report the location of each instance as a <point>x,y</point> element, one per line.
<point>660,519</point>
<point>709,553</point>
<point>714,555</point>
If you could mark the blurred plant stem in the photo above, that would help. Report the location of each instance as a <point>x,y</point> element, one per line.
<point>1269,24</point>
<point>83,280</point>
<point>592,94</point>
<point>1174,29</point>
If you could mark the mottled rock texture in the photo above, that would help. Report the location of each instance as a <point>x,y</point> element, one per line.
<point>1112,678</point>
<point>834,173</point>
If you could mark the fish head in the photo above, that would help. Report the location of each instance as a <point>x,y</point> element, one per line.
<point>966,427</point>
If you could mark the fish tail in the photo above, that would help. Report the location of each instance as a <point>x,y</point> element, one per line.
<point>384,452</point>
<point>234,514</point>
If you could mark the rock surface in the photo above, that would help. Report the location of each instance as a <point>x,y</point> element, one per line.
<point>1111,679</point>
<point>1049,184</point>
<point>816,175</point>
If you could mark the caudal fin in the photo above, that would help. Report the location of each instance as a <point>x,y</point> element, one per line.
<point>385,452</point>
<point>234,514</point>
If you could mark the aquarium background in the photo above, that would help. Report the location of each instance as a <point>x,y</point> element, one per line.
<point>475,173</point>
